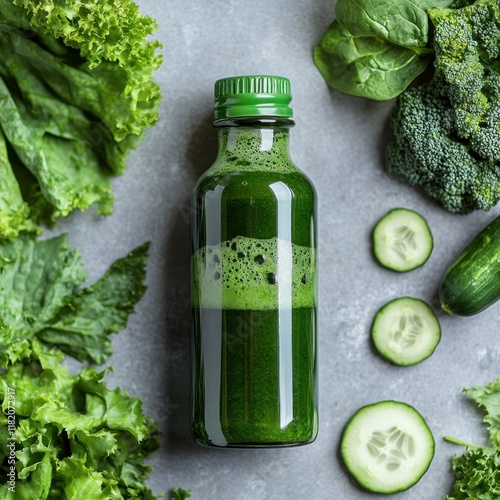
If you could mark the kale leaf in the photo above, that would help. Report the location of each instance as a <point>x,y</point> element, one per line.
<point>39,298</point>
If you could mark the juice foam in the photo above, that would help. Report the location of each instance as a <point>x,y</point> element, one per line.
<point>254,150</point>
<point>254,274</point>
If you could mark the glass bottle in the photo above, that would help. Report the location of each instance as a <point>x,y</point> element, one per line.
<point>254,277</point>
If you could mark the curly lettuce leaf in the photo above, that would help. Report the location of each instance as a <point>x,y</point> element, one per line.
<point>39,298</point>
<point>102,30</point>
<point>76,94</point>
<point>75,438</point>
<point>477,471</point>
<point>477,474</point>
<point>488,397</point>
<point>113,40</point>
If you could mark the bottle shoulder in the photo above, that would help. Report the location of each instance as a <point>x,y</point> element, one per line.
<point>249,181</point>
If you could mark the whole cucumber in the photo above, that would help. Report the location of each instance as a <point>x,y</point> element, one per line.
<point>472,283</point>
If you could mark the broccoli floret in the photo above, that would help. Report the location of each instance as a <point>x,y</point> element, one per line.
<point>427,152</point>
<point>448,130</point>
<point>467,46</point>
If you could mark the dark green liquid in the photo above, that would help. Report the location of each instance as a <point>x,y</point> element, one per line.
<point>254,368</point>
<point>256,385</point>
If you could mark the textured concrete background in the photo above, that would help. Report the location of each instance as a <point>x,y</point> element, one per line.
<point>339,142</point>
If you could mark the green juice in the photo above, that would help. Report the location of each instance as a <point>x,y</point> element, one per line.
<point>254,278</point>
<point>257,400</point>
<point>254,300</point>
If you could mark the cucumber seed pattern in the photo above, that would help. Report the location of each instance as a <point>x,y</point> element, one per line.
<point>406,331</point>
<point>392,447</point>
<point>405,241</point>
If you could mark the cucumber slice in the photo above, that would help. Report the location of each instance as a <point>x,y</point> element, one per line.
<point>387,446</point>
<point>406,331</point>
<point>402,240</point>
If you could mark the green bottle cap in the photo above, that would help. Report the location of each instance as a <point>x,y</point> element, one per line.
<point>247,96</point>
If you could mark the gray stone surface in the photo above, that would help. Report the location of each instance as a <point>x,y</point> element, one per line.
<point>339,142</point>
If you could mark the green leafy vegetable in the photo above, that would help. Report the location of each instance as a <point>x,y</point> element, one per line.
<point>478,469</point>
<point>477,475</point>
<point>68,436</point>
<point>180,494</point>
<point>447,131</point>
<point>74,437</point>
<point>13,209</point>
<point>488,397</point>
<point>38,299</point>
<point>76,93</point>
<point>376,48</point>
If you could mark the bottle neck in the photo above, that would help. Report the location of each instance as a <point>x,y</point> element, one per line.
<point>246,139</point>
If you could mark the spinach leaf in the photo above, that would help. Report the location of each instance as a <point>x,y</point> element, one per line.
<point>376,48</point>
